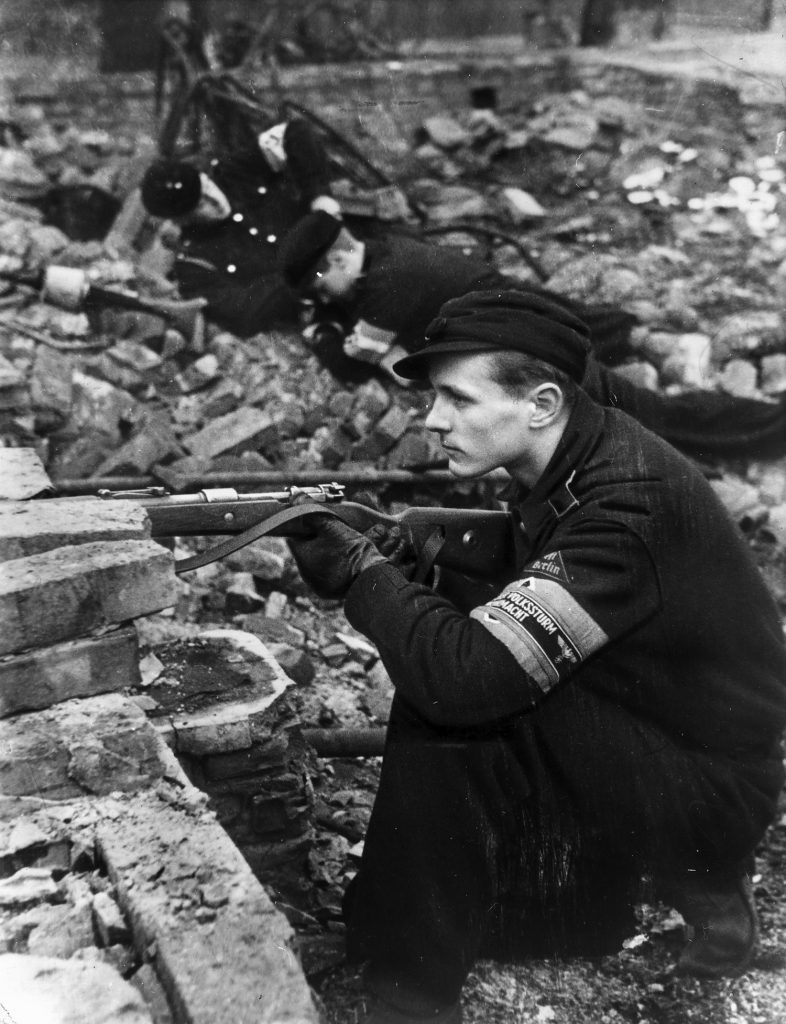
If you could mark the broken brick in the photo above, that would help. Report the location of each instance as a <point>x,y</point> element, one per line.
<point>51,387</point>
<point>240,431</point>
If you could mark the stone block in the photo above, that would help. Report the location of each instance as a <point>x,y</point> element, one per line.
<point>51,387</point>
<point>416,449</point>
<point>153,442</point>
<point>295,662</point>
<point>69,591</point>
<point>384,435</point>
<point>446,132</point>
<point>224,398</point>
<point>266,559</point>
<point>739,378</point>
<point>332,444</point>
<point>754,332</point>
<point>76,458</point>
<point>109,921</point>
<point>29,528</point>
<point>371,401</point>
<point>740,498</point>
<point>101,407</point>
<point>62,931</point>
<point>146,980</point>
<point>37,989</point>
<point>14,393</point>
<point>213,688</point>
<point>97,745</point>
<point>246,429</point>
<point>129,364</point>
<point>272,630</point>
<point>773,374</point>
<point>199,374</point>
<point>689,362</point>
<point>27,885</point>
<point>76,668</point>
<point>642,374</point>
<point>233,964</point>
<point>22,474</point>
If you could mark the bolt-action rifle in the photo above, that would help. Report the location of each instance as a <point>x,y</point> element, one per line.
<point>70,288</point>
<point>474,542</point>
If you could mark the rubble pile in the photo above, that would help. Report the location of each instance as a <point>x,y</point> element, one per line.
<point>584,193</point>
<point>112,866</point>
<point>581,194</point>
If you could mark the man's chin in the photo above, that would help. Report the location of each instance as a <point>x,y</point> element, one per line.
<point>463,470</point>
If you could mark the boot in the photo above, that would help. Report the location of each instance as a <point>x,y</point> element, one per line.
<point>722,925</point>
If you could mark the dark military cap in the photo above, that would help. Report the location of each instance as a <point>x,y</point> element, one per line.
<point>171,188</point>
<point>490,321</point>
<point>305,245</point>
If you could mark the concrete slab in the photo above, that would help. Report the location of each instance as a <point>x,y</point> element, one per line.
<point>222,951</point>
<point>70,591</point>
<point>76,668</point>
<point>31,527</point>
<point>97,746</point>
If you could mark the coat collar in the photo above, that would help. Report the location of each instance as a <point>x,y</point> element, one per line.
<point>555,493</point>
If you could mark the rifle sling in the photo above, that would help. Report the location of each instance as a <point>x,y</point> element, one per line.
<point>425,562</point>
<point>261,529</point>
<point>428,555</point>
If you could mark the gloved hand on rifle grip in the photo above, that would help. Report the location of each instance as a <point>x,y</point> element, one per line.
<point>391,542</point>
<point>331,559</point>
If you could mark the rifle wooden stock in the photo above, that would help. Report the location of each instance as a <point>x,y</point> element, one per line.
<point>475,542</point>
<point>182,314</point>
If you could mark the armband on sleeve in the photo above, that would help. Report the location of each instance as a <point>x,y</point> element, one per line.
<point>368,342</point>
<point>543,626</point>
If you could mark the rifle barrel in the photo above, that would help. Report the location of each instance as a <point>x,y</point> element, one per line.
<point>268,478</point>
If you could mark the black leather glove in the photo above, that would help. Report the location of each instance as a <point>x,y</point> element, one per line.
<point>331,560</point>
<point>391,542</point>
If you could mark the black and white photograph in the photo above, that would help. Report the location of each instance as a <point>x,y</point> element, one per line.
<point>392,511</point>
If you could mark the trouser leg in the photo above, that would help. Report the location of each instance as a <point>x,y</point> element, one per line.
<point>540,826</point>
<point>701,423</point>
<point>441,826</point>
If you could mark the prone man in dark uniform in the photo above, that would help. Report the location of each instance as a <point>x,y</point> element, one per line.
<point>383,293</point>
<point>232,215</point>
<point>613,707</point>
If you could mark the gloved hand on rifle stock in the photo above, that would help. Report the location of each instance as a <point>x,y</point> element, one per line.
<point>331,559</point>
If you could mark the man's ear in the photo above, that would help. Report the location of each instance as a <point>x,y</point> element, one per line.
<point>548,401</point>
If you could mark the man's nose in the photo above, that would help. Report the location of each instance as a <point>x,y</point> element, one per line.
<point>436,420</point>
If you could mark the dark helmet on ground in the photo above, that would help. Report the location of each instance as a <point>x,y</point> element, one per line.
<point>171,189</point>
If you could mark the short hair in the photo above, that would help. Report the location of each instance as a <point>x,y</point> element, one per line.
<point>517,372</point>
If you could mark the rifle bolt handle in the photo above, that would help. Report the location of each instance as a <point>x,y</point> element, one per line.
<point>229,517</point>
